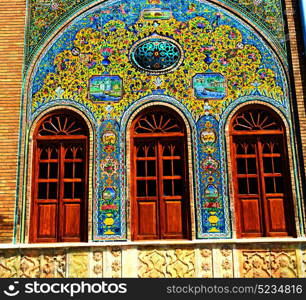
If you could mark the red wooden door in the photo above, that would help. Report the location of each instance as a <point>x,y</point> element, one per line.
<point>59,205</point>
<point>160,200</point>
<point>263,201</point>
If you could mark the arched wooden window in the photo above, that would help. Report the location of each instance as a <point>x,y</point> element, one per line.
<point>160,193</point>
<point>263,202</point>
<point>59,189</point>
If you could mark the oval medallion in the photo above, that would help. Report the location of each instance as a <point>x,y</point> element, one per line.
<point>156,54</point>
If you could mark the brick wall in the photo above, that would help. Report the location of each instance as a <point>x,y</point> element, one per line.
<point>299,69</point>
<point>12,20</point>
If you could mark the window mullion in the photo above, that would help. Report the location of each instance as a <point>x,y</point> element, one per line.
<point>60,191</point>
<point>262,191</point>
<point>160,189</point>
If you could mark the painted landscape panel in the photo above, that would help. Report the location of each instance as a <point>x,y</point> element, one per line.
<point>105,88</point>
<point>209,86</point>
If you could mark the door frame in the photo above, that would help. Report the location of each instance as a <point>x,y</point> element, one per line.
<point>158,141</point>
<point>228,163</point>
<point>191,167</point>
<point>32,148</point>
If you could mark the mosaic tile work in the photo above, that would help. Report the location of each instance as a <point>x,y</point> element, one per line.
<point>108,213</point>
<point>216,62</point>
<point>211,187</point>
<point>46,15</point>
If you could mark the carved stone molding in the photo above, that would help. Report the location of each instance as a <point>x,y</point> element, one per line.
<point>255,264</point>
<point>270,263</point>
<point>223,262</point>
<point>166,263</point>
<point>9,264</point>
<point>60,264</point>
<point>47,264</point>
<point>30,264</point>
<point>205,260</point>
<point>304,263</point>
<point>152,263</point>
<point>96,263</point>
<point>78,264</point>
<point>283,264</point>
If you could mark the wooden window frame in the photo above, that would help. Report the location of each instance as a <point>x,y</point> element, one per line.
<point>59,141</point>
<point>158,138</point>
<point>265,216</point>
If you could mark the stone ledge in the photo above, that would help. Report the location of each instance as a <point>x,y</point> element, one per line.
<point>283,241</point>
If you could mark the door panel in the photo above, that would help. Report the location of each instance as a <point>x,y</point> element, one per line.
<point>59,204</point>
<point>71,221</point>
<point>277,224</point>
<point>147,216</point>
<point>250,217</point>
<point>173,219</point>
<point>259,170</point>
<point>172,194</point>
<point>161,208</point>
<point>46,229</point>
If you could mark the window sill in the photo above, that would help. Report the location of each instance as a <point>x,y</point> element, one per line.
<point>128,244</point>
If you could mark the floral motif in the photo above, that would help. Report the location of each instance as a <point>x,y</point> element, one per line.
<point>96,52</point>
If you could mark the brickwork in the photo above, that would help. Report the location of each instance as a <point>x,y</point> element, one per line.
<point>298,66</point>
<point>12,25</point>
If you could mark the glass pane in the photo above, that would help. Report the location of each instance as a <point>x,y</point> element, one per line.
<point>151,188</point>
<point>241,167</point>
<point>269,182</point>
<point>79,153</point>
<point>44,154</point>
<point>250,149</point>
<point>239,149</point>
<point>151,151</point>
<point>140,151</point>
<point>42,190</point>
<point>141,171</point>
<point>252,169</point>
<point>279,185</point>
<point>167,151</point>
<point>278,165</point>
<point>43,170</point>
<point>54,152</point>
<point>167,187</point>
<point>53,170</point>
<point>177,167</point>
<point>68,170</point>
<point>253,186</point>
<point>68,190</point>
<point>266,149</point>
<point>267,162</point>
<point>242,186</point>
<point>78,190</point>
<point>276,148</point>
<point>177,151</point>
<point>178,188</point>
<point>69,154</point>
<point>151,168</point>
<point>78,169</point>
<point>52,190</point>
<point>141,188</point>
<point>167,168</point>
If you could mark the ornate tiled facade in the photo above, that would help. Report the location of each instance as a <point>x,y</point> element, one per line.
<point>74,48</point>
<point>213,44</point>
